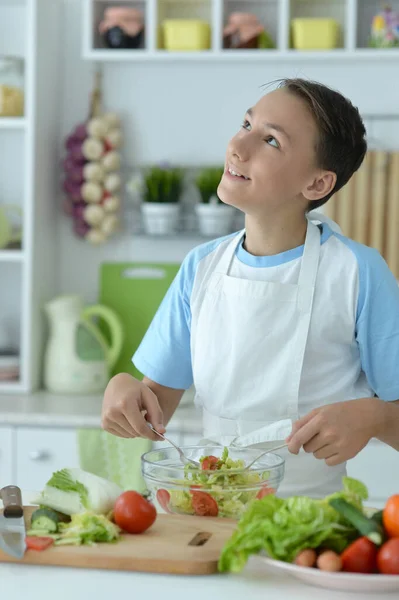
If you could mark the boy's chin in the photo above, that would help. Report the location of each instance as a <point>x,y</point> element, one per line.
<point>229,200</point>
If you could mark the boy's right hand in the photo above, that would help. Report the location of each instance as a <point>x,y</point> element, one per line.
<point>127,407</point>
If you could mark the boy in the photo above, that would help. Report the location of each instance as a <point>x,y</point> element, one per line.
<point>288,329</point>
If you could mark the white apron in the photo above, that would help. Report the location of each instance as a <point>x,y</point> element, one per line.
<point>248,345</point>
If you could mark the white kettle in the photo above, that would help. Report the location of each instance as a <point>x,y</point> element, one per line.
<point>78,358</point>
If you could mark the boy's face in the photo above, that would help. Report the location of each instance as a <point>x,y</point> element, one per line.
<point>274,152</point>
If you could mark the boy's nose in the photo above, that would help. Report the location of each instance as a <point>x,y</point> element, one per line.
<point>239,149</point>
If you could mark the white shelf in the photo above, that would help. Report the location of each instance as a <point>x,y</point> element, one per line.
<point>11,387</point>
<point>12,256</point>
<point>354,17</point>
<point>12,123</point>
<point>358,54</point>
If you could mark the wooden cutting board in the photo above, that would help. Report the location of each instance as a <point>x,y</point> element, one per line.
<point>174,544</point>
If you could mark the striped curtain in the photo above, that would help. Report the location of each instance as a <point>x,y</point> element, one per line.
<point>367,207</point>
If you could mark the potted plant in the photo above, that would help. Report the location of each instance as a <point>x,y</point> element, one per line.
<point>214,217</point>
<point>162,187</point>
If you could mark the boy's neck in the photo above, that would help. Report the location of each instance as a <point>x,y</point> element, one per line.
<point>276,234</point>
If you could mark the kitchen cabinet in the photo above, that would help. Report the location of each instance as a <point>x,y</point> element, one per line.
<point>40,452</point>
<point>353,16</point>
<point>6,456</point>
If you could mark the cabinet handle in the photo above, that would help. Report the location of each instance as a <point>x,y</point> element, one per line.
<point>38,455</point>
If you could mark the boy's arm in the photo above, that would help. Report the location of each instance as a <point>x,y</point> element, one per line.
<point>388,430</point>
<point>337,432</point>
<point>168,398</point>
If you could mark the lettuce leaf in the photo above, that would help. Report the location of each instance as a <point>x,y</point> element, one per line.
<point>281,528</point>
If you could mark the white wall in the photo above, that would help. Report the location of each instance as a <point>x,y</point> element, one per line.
<point>186,113</point>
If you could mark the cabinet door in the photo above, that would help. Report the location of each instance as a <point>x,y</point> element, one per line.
<point>377,466</point>
<point>40,452</point>
<point>6,457</point>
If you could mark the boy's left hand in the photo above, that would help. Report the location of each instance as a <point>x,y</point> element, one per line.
<point>336,432</point>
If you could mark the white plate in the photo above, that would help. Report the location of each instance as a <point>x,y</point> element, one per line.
<point>350,582</point>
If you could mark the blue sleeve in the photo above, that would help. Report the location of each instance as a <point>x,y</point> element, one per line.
<point>377,325</point>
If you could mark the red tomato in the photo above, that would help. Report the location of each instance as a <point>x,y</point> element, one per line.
<point>133,513</point>
<point>360,557</point>
<point>388,557</point>
<point>38,543</point>
<point>265,491</point>
<point>210,463</point>
<point>204,505</point>
<point>163,498</point>
<point>390,516</point>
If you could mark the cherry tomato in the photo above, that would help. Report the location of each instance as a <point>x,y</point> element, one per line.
<point>133,513</point>
<point>204,505</point>
<point>360,557</point>
<point>163,498</point>
<point>388,557</point>
<point>39,543</point>
<point>390,516</point>
<point>265,491</point>
<point>210,463</point>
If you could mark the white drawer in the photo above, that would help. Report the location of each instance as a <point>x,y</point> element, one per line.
<point>377,466</point>
<point>42,451</point>
<point>6,457</point>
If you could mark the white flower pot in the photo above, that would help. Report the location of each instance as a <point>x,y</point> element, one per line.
<point>215,219</point>
<point>160,218</point>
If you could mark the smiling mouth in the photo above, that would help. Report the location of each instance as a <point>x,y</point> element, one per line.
<point>236,174</point>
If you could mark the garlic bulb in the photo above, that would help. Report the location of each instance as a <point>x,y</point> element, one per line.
<point>93,171</point>
<point>92,148</point>
<point>92,192</point>
<point>112,182</point>
<point>97,127</point>
<point>109,225</point>
<point>114,138</point>
<point>95,236</point>
<point>111,161</point>
<point>111,204</point>
<point>112,119</point>
<point>93,214</point>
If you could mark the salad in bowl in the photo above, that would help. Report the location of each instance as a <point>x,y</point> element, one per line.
<point>220,487</point>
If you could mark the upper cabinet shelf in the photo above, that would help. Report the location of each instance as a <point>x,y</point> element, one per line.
<point>290,32</point>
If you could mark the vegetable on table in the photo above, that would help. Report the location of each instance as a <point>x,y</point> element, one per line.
<point>388,557</point>
<point>74,491</point>
<point>329,561</point>
<point>47,519</point>
<point>306,558</point>
<point>204,505</point>
<point>360,556</point>
<point>38,543</point>
<point>390,516</point>
<point>133,513</point>
<point>282,528</point>
<point>366,526</point>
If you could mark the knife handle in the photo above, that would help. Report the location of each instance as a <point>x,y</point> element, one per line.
<point>12,500</point>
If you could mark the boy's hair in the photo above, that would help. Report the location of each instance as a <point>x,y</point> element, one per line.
<point>342,144</point>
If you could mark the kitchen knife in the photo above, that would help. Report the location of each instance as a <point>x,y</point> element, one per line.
<point>12,524</point>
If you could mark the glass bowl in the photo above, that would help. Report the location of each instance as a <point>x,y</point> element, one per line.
<point>175,488</point>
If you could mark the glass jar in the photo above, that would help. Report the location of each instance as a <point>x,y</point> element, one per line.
<point>11,86</point>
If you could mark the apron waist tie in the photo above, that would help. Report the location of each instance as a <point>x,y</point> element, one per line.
<point>243,432</point>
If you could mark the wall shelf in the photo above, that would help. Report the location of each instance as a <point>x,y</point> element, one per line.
<point>12,123</point>
<point>354,17</point>
<point>12,256</point>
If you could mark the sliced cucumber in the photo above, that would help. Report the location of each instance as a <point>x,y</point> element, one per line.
<point>368,527</point>
<point>46,519</point>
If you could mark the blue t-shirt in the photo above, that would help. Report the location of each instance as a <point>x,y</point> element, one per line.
<point>165,356</point>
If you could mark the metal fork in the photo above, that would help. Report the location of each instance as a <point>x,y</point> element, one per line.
<point>263,453</point>
<point>185,460</point>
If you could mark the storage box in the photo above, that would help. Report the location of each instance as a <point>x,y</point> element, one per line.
<point>314,34</point>
<point>186,34</point>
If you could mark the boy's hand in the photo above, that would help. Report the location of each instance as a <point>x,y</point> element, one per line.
<point>127,407</point>
<point>336,432</point>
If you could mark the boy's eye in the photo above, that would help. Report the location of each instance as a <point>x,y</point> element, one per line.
<point>246,124</point>
<point>272,141</point>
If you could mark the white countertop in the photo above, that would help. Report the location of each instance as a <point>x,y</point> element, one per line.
<point>45,409</point>
<point>47,583</point>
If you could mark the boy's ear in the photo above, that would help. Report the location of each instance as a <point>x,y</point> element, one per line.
<point>322,185</point>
